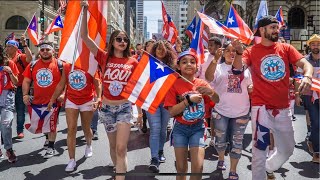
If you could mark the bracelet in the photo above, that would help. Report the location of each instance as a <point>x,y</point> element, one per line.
<point>189,100</point>
<point>238,53</point>
<point>25,46</point>
<point>308,77</point>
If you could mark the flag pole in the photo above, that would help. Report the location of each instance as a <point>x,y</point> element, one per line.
<point>29,24</point>
<point>78,35</point>
<point>170,68</point>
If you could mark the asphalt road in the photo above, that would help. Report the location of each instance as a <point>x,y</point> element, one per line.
<point>31,165</point>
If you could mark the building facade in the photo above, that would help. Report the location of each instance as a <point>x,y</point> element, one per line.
<point>160,24</point>
<point>139,22</point>
<point>116,16</point>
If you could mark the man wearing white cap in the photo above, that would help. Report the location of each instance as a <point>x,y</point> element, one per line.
<point>21,60</point>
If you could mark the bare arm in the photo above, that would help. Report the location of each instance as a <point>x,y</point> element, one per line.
<point>237,63</point>
<point>59,88</point>
<point>308,72</point>
<point>178,108</point>
<point>209,74</point>
<point>13,78</point>
<point>26,48</point>
<point>98,86</point>
<point>84,30</point>
<point>25,90</point>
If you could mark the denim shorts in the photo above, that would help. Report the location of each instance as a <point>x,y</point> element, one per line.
<point>111,115</point>
<point>183,135</point>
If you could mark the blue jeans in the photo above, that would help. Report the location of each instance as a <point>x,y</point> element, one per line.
<point>188,135</point>
<point>6,110</point>
<point>158,123</point>
<point>94,122</point>
<point>20,109</point>
<point>232,129</point>
<point>314,119</point>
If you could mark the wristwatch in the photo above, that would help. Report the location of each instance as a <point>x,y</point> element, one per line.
<point>189,100</point>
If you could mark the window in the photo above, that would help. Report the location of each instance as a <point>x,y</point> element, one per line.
<point>296,18</point>
<point>17,22</point>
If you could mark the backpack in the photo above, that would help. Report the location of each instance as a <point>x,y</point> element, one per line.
<point>20,62</point>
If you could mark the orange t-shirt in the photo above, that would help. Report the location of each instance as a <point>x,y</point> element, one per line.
<point>191,114</point>
<point>80,88</point>
<point>45,77</point>
<point>116,74</point>
<point>23,58</point>
<point>270,73</point>
<point>7,83</point>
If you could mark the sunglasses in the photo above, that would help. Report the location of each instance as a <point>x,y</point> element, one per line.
<point>120,39</point>
<point>45,49</point>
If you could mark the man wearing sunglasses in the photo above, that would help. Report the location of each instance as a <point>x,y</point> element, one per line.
<point>45,75</point>
<point>21,60</point>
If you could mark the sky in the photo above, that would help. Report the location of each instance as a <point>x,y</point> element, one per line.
<point>152,10</point>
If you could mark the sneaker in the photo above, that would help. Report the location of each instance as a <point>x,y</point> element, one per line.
<point>270,176</point>
<point>315,158</point>
<point>88,152</point>
<point>95,135</point>
<point>154,165</point>
<point>12,158</point>
<point>1,155</point>
<point>144,129</point>
<point>46,144</point>
<point>221,166</point>
<point>20,136</point>
<point>49,153</point>
<point>162,159</point>
<point>293,118</point>
<point>71,165</point>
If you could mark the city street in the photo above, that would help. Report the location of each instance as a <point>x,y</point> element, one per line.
<point>31,165</point>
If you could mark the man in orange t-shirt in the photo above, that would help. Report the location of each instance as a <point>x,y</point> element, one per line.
<point>21,61</point>
<point>45,75</point>
<point>269,64</point>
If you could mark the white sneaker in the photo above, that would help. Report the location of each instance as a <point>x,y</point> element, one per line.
<point>71,165</point>
<point>88,153</point>
<point>49,153</point>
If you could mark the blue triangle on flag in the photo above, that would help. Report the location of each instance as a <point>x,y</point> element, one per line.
<point>158,69</point>
<point>58,22</point>
<point>231,19</point>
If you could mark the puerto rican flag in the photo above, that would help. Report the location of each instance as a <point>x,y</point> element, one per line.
<point>262,11</point>
<point>191,28</point>
<point>32,30</point>
<point>149,83</point>
<point>196,45</point>
<point>215,26</point>
<point>315,86</point>
<point>169,30</point>
<point>236,24</point>
<point>262,134</point>
<point>11,36</point>
<point>279,17</point>
<point>41,120</point>
<point>97,29</point>
<point>56,25</point>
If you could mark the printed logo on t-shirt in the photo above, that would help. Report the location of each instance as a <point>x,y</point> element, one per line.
<point>5,81</point>
<point>234,83</point>
<point>273,68</point>
<point>194,112</point>
<point>115,88</point>
<point>44,77</point>
<point>77,80</point>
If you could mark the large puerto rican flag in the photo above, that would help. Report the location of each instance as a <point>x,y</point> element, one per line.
<point>191,28</point>
<point>33,30</point>
<point>169,30</point>
<point>196,45</point>
<point>279,16</point>
<point>236,24</point>
<point>97,29</point>
<point>149,83</point>
<point>56,25</point>
<point>41,120</point>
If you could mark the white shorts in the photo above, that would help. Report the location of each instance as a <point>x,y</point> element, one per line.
<point>83,107</point>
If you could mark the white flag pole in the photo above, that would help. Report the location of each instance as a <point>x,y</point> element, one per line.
<point>77,39</point>
<point>29,23</point>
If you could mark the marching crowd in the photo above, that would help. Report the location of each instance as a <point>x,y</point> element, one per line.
<point>236,84</point>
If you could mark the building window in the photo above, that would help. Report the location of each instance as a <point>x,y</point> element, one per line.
<point>296,18</point>
<point>17,22</point>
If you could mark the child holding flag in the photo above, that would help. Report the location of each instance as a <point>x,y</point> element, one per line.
<point>186,102</point>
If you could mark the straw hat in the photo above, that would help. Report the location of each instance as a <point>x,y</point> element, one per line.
<point>313,38</point>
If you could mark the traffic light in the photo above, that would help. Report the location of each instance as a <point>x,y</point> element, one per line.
<point>310,20</point>
<point>42,20</point>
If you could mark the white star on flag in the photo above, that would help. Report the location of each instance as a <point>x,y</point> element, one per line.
<point>261,134</point>
<point>58,22</point>
<point>192,26</point>
<point>159,66</point>
<point>230,20</point>
<point>32,24</point>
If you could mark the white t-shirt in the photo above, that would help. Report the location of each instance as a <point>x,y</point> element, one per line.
<point>232,90</point>
<point>203,67</point>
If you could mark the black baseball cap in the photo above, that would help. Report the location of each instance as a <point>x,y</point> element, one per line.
<point>264,21</point>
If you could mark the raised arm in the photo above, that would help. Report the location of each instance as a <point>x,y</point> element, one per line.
<point>209,74</point>
<point>93,47</point>
<point>26,48</point>
<point>59,89</point>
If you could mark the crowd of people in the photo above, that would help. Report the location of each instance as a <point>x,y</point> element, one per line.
<point>236,84</point>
